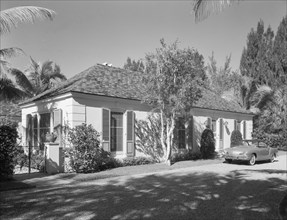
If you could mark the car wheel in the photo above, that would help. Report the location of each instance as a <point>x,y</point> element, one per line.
<point>272,159</point>
<point>252,160</point>
<point>228,160</point>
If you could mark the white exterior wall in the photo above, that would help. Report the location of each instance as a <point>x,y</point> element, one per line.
<point>83,108</point>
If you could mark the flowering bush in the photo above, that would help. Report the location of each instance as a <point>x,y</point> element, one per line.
<point>85,153</point>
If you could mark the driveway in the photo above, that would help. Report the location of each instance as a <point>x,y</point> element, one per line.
<point>215,191</point>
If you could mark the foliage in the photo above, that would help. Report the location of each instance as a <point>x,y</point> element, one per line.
<point>85,153</point>
<point>134,65</point>
<point>148,136</point>
<point>10,18</point>
<point>236,138</point>
<point>172,80</point>
<point>8,138</point>
<point>186,155</point>
<point>207,144</point>
<point>38,77</point>
<point>134,161</point>
<point>273,140</point>
<point>203,8</point>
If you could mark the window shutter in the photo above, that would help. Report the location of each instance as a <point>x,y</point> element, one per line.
<point>209,123</point>
<point>244,129</point>
<point>57,118</point>
<point>29,130</point>
<point>130,133</point>
<point>221,143</point>
<point>35,130</point>
<point>235,124</point>
<point>57,123</point>
<point>106,129</point>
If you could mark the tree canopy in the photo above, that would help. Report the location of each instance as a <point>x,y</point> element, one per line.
<point>173,79</point>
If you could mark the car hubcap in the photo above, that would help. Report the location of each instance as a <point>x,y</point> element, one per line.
<point>252,160</point>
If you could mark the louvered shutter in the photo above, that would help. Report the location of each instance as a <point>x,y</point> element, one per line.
<point>57,118</point>
<point>221,134</point>
<point>57,122</point>
<point>235,124</point>
<point>35,130</point>
<point>209,123</point>
<point>29,131</point>
<point>244,129</point>
<point>106,129</point>
<point>130,133</point>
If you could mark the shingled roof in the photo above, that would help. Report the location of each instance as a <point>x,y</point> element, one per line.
<point>120,83</point>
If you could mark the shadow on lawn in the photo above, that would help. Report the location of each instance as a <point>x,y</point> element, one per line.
<point>161,196</point>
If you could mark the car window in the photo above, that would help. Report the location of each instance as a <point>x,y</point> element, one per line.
<point>261,145</point>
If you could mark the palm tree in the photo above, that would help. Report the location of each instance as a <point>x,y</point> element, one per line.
<point>38,77</point>
<point>9,19</point>
<point>203,8</point>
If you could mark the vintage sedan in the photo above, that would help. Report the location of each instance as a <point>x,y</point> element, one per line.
<point>250,151</point>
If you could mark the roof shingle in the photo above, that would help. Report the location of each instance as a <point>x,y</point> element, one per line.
<point>121,83</point>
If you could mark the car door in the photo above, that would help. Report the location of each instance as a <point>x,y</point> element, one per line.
<point>263,151</point>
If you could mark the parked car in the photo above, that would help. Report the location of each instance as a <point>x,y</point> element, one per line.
<point>250,151</point>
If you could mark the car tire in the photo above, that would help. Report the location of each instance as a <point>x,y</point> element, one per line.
<point>252,160</point>
<point>228,160</point>
<point>272,159</point>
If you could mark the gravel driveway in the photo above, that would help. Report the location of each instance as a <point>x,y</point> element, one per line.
<point>217,191</point>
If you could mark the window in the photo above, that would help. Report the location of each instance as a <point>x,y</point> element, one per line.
<point>116,131</point>
<point>44,126</point>
<point>181,133</point>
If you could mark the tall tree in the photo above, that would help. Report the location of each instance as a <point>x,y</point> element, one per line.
<point>257,59</point>
<point>38,77</point>
<point>10,18</point>
<point>173,79</point>
<point>134,65</point>
<point>280,51</point>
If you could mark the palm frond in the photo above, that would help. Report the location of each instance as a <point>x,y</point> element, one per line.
<point>262,97</point>
<point>9,92</point>
<point>10,18</point>
<point>22,81</point>
<point>203,8</point>
<point>11,52</point>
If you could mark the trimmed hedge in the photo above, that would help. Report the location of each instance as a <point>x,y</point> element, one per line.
<point>236,138</point>
<point>187,155</point>
<point>207,144</point>
<point>8,138</point>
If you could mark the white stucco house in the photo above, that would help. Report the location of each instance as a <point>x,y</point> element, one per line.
<point>109,99</point>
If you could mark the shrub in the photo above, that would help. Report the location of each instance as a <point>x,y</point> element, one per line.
<point>186,155</point>
<point>85,154</point>
<point>137,161</point>
<point>37,161</point>
<point>8,138</point>
<point>273,140</point>
<point>236,138</point>
<point>207,144</point>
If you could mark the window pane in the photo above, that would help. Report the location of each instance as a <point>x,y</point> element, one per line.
<point>45,120</point>
<point>116,131</point>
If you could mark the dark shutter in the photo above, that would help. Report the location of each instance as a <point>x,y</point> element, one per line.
<point>221,143</point>
<point>235,124</point>
<point>244,129</point>
<point>29,130</point>
<point>130,133</point>
<point>58,124</point>
<point>106,129</point>
<point>209,123</point>
<point>57,118</point>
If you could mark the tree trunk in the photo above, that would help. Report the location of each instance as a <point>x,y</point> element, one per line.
<point>169,139</point>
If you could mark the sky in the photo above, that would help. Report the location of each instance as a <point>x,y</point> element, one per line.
<point>84,33</point>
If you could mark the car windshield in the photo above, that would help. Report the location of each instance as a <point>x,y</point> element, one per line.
<point>257,143</point>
